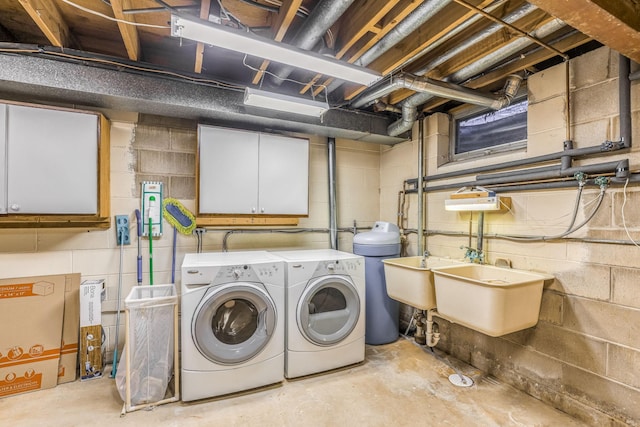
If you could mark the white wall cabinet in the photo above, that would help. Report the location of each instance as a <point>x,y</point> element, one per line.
<point>51,162</point>
<point>243,172</point>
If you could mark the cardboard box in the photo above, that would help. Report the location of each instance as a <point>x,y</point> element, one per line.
<point>68,367</point>
<point>33,308</point>
<point>91,357</point>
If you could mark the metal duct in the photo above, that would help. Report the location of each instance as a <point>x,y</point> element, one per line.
<point>405,123</point>
<point>323,16</point>
<point>450,91</point>
<point>333,210</point>
<point>445,90</point>
<point>478,37</point>
<point>411,23</point>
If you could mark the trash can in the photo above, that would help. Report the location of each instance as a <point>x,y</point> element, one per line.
<point>382,313</point>
<point>149,359</point>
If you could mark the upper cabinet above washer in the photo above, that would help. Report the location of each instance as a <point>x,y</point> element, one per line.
<point>54,166</point>
<point>250,173</point>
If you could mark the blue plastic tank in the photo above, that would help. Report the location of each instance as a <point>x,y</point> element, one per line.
<point>382,313</point>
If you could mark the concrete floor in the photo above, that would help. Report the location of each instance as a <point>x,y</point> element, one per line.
<point>399,384</point>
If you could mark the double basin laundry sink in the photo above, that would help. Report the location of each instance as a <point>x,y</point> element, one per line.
<point>492,300</point>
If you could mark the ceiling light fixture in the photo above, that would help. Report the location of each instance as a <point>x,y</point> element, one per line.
<point>280,102</point>
<point>217,35</point>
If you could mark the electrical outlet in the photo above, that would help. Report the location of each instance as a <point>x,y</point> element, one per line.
<point>122,229</point>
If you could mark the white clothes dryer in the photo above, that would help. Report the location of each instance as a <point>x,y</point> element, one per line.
<point>325,301</point>
<point>232,327</point>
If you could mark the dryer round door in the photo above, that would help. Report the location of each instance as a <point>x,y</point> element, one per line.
<point>233,323</point>
<point>328,310</point>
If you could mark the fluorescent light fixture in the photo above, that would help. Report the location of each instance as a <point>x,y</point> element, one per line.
<point>240,41</point>
<point>289,104</point>
<point>494,203</point>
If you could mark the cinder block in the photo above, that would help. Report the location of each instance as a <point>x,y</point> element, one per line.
<point>631,211</point>
<point>546,142</point>
<point>594,102</point>
<point>624,365</point>
<point>151,137</point>
<point>546,115</point>
<point>603,320</point>
<point>601,393</point>
<point>565,345</point>
<point>591,68</point>
<point>167,163</point>
<point>614,255</point>
<point>551,307</point>
<point>546,84</point>
<point>635,118</point>
<point>586,280</point>
<point>182,187</point>
<point>624,283</point>
<point>183,140</point>
<point>592,133</point>
<point>121,134</point>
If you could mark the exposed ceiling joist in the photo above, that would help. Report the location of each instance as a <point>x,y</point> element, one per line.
<point>286,15</point>
<point>48,18</point>
<point>612,23</point>
<point>205,7</point>
<point>129,32</point>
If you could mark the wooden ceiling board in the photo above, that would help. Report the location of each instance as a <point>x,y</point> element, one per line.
<point>612,23</point>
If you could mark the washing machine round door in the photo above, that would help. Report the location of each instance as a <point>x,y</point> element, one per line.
<point>328,310</point>
<point>233,323</point>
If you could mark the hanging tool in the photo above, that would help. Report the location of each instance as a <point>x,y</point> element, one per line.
<point>152,201</point>
<point>121,238</point>
<point>139,229</point>
<point>182,220</point>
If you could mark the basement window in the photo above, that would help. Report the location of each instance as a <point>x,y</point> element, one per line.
<point>486,132</point>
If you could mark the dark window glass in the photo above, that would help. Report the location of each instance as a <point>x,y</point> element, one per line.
<point>491,129</point>
<point>235,321</point>
<point>327,299</point>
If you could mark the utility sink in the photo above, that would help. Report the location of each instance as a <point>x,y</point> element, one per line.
<point>492,300</point>
<point>410,279</point>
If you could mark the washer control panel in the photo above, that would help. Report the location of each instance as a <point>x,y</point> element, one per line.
<point>232,273</point>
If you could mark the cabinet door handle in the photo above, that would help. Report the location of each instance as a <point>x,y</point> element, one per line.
<point>261,210</point>
<point>253,210</point>
<point>15,207</point>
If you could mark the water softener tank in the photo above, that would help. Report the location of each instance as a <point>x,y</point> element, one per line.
<point>382,313</point>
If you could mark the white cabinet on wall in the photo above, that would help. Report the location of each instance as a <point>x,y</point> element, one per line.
<point>53,167</point>
<point>242,172</point>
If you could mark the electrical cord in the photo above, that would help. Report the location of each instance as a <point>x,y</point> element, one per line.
<point>110,18</point>
<point>624,221</point>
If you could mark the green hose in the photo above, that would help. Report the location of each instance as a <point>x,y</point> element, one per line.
<point>150,252</point>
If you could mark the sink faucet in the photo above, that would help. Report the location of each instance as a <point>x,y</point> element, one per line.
<point>474,255</point>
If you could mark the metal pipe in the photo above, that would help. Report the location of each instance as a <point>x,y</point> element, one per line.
<point>497,236</point>
<point>421,246</point>
<point>476,38</point>
<point>411,23</point>
<point>605,147</point>
<point>445,90</point>
<point>429,87</point>
<point>323,16</point>
<point>599,168</point>
<point>333,216</point>
<point>553,172</point>
<point>479,237</point>
<point>624,89</point>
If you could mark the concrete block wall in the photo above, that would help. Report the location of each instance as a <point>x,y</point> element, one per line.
<point>164,149</point>
<point>583,356</point>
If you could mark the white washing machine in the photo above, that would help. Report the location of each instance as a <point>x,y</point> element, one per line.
<point>233,316</point>
<point>325,300</point>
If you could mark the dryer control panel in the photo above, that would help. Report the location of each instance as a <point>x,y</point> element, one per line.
<point>343,267</point>
<point>231,274</point>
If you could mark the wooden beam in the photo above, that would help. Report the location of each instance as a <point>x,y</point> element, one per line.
<point>286,15</point>
<point>205,6</point>
<point>48,18</point>
<point>612,23</point>
<point>128,32</point>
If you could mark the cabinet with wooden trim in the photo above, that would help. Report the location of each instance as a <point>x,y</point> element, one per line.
<point>54,167</point>
<point>254,178</point>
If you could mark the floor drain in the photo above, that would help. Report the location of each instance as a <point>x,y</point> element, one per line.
<point>460,380</point>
